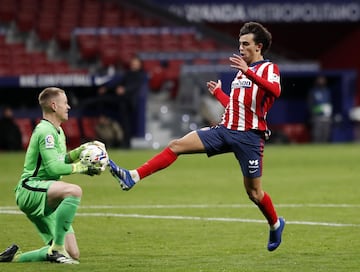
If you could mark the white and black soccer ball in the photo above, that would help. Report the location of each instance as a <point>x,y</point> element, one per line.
<point>95,155</point>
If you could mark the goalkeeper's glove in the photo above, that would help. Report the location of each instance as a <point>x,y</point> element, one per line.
<point>81,168</point>
<point>74,154</point>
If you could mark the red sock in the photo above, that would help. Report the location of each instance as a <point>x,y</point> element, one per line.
<point>158,162</point>
<point>267,208</point>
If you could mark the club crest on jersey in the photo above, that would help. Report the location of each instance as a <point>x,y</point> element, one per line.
<point>49,141</point>
<point>275,78</point>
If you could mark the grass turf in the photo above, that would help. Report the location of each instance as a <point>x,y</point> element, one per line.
<point>179,218</point>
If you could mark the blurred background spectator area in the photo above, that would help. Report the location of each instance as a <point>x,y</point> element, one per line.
<point>180,42</point>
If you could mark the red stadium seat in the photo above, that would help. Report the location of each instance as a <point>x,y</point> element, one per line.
<point>8,10</point>
<point>201,61</point>
<point>108,50</point>
<point>88,125</point>
<point>296,133</point>
<point>88,46</point>
<point>111,18</point>
<point>149,43</point>
<point>173,69</point>
<point>46,27</point>
<point>60,67</point>
<point>207,45</point>
<point>188,42</point>
<point>169,42</point>
<point>26,127</point>
<point>26,20</point>
<point>72,131</point>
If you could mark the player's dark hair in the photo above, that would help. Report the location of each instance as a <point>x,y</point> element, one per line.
<point>261,34</point>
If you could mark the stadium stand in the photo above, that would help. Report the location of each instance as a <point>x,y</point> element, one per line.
<point>88,125</point>
<point>26,127</point>
<point>92,23</point>
<point>90,36</point>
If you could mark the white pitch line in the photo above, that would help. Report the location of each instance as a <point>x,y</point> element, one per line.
<point>222,219</point>
<point>196,218</point>
<point>203,206</point>
<point>214,206</point>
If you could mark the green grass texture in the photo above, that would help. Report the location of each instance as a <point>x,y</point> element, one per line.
<point>195,215</point>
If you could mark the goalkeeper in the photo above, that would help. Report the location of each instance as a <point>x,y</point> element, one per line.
<point>49,203</point>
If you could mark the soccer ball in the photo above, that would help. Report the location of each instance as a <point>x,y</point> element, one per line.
<point>95,155</point>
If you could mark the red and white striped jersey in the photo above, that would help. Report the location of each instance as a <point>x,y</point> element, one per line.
<point>252,95</point>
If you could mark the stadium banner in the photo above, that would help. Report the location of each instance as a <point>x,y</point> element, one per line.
<point>61,80</point>
<point>265,11</point>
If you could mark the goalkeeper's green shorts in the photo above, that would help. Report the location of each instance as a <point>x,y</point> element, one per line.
<point>32,200</point>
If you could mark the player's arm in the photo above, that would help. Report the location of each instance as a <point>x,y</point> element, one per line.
<point>216,90</point>
<point>53,161</point>
<point>270,84</point>
<point>56,164</point>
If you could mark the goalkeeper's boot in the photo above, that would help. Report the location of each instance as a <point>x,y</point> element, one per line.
<point>122,175</point>
<point>275,236</point>
<point>55,256</point>
<point>8,254</point>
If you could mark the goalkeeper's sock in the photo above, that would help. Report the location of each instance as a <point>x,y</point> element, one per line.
<point>158,162</point>
<point>65,214</point>
<point>38,255</point>
<point>267,208</point>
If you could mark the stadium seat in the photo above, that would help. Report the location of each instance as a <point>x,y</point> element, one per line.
<point>131,19</point>
<point>169,42</point>
<point>296,133</point>
<point>68,21</point>
<point>129,40</point>
<point>60,67</point>
<point>126,55</point>
<point>207,45</point>
<point>26,127</point>
<point>151,64</point>
<point>26,19</point>
<point>111,18</point>
<point>88,125</point>
<point>45,28</point>
<point>72,131</point>
<point>150,22</point>
<point>149,43</point>
<point>188,42</point>
<point>7,10</point>
<point>201,61</point>
<point>109,57</point>
<point>173,69</point>
<point>88,46</point>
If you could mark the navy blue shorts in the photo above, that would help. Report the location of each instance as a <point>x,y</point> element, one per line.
<point>247,146</point>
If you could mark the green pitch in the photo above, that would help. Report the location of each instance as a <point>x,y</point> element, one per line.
<point>195,215</point>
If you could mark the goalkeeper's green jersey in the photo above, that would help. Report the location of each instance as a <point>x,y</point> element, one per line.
<point>45,156</point>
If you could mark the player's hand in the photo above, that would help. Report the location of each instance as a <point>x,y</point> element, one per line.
<point>98,143</point>
<point>81,168</point>
<point>239,63</point>
<point>212,85</point>
<point>75,153</point>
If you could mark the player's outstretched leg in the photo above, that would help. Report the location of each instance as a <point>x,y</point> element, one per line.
<point>275,236</point>
<point>122,175</point>
<point>59,256</point>
<point>8,254</point>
